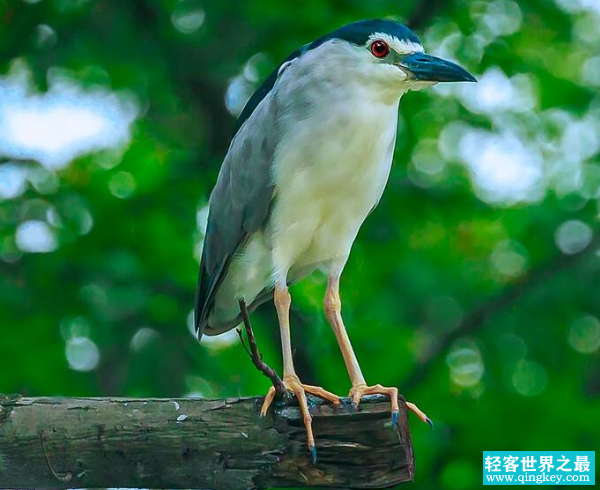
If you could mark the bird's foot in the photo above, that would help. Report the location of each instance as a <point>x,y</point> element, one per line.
<point>293,384</point>
<point>358,391</point>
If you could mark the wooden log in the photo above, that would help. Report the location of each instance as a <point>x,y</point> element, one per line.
<point>194,443</point>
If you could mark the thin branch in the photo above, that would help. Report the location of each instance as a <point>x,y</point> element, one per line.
<point>243,342</point>
<point>256,356</point>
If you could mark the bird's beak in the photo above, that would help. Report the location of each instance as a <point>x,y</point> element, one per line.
<point>427,68</point>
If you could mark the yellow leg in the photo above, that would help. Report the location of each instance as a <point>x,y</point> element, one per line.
<point>290,379</point>
<point>333,312</point>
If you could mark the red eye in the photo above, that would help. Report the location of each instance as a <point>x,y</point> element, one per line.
<point>380,49</point>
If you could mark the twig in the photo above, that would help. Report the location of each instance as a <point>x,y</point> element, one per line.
<point>62,478</point>
<point>243,342</point>
<point>256,356</point>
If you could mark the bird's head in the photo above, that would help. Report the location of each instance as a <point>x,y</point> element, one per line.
<point>385,54</point>
<point>379,56</point>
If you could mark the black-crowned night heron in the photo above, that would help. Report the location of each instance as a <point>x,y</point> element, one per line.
<point>309,161</point>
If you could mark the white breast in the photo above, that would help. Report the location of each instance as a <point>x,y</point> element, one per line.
<point>328,175</point>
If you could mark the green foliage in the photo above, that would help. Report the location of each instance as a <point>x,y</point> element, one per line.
<point>470,287</point>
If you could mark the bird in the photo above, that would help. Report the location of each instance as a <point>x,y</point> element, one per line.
<point>309,160</point>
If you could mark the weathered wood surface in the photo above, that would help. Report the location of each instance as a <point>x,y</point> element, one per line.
<point>187,443</point>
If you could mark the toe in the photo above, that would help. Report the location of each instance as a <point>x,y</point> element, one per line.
<point>321,393</point>
<point>394,399</point>
<point>268,400</point>
<point>303,402</point>
<point>356,393</point>
<point>413,408</point>
<point>382,390</point>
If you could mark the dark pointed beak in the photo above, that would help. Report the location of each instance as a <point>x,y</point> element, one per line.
<point>427,68</point>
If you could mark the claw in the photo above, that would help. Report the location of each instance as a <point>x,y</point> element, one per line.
<point>293,384</point>
<point>358,391</point>
<point>424,418</point>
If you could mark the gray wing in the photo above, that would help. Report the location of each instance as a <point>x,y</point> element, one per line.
<point>239,204</point>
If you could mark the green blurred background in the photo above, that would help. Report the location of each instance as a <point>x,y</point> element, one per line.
<point>473,287</point>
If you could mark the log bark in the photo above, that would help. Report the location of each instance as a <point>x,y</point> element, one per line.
<point>194,443</point>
